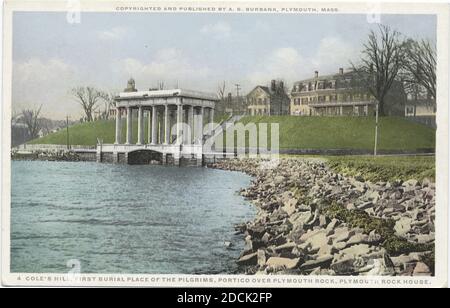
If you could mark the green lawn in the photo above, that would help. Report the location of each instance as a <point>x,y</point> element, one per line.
<point>218,118</point>
<point>385,168</point>
<point>88,132</point>
<point>295,133</point>
<point>395,133</point>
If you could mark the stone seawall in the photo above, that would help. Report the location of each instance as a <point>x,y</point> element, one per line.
<point>54,156</point>
<point>313,221</point>
<point>108,157</point>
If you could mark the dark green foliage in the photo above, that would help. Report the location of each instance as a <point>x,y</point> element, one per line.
<point>396,246</point>
<point>360,219</point>
<point>393,244</point>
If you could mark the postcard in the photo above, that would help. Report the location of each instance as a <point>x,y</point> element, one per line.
<point>225,144</point>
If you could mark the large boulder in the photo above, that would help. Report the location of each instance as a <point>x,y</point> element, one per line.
<point>421,269</point>
<point>282,263</point>
<point>322,262</point>
<point>403,226</point>
<point>316,238</point>
<point>249,259</point>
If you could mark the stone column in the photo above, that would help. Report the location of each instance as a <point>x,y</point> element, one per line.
<point>118,126</point>
<point>179,124</point>
<point>129,125</point>
<point>149,126</point>
<point>140,126</point>
<point>99,153</point>
<point>211,119</point>
<point>191,124</point>
<point>200,125</point>
<point>154,125</point>
<point>166,124</point>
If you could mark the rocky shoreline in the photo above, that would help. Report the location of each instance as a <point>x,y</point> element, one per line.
<point>313,221</point>
<point>46,156</point>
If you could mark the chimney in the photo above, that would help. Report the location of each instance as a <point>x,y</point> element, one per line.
<point>273,85</point>
<point>341,71</point>
<point>316,74</point>
<point>229,96</point>
<point>281,86</point>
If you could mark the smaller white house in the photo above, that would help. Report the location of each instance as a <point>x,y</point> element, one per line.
<point>420,106</point>
<point>415,109</point>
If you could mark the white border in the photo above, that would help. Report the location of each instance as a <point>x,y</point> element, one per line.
<point>442,147</point>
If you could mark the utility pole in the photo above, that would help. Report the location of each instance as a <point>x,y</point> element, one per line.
<point>238,101</point>
<point>376,130</point>
<point>238,87</point>
<point>67,132</point>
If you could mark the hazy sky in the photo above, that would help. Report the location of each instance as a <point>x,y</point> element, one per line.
<point>50,56</point>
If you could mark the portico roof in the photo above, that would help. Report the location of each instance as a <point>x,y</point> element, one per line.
<point>167,93</point>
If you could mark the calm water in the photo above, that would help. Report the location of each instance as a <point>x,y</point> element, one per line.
<point>125,219</point>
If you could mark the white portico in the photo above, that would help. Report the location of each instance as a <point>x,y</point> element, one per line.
<point>175,121</point>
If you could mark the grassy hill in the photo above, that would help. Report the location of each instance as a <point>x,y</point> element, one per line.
<point>395,133</point>
<point>295,132</point>
<point>87,133</point>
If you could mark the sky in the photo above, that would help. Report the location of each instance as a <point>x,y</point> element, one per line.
<point>194,51</point>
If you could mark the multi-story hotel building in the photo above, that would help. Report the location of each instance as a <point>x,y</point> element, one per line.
<point>340,94</point>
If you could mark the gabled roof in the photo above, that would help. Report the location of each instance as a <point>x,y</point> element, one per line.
<point>269,91</point>
<point>265,89</point>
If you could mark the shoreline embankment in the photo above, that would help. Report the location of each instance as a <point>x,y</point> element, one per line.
<point>314,221</point>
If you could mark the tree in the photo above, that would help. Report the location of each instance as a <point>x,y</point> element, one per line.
<point>88,98</point>
<point>382,59</point>
<point>30,118</point>
<point>420,67</point>
<point>109,102</point>
<point>221,91</point>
